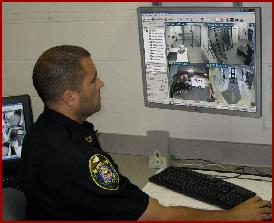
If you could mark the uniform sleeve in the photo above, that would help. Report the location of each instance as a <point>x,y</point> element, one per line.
<point>101,192</point>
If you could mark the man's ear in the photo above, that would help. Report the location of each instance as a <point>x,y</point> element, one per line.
<point>70,98</point>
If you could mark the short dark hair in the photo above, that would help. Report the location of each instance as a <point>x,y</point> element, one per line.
<point>58,69</point>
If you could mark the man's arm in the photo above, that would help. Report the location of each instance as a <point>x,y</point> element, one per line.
<point>252,209</point>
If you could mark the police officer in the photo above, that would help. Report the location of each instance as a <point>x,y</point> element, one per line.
<point>67,176</point>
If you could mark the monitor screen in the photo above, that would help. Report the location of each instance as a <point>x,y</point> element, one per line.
<point>202,59</point>
<point>16,119</point>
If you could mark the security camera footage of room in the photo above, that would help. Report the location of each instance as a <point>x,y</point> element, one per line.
<point>13,131</point>
<point>208,64</point>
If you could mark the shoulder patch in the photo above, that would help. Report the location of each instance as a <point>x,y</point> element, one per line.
<point>103,172</point>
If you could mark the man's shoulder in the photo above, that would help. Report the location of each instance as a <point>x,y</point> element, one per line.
<point>45,131</point>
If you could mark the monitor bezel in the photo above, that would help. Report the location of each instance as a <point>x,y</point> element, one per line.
<point>28,119</point>
<point>258,50</point>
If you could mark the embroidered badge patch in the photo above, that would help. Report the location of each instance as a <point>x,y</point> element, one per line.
<point>103,173</point>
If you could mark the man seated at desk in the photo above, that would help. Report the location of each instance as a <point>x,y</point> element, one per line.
<point>68,176</point>
<point>246,52</point>
<point>181,54</point>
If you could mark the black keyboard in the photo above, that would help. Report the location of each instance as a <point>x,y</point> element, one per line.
<point>202,187</point>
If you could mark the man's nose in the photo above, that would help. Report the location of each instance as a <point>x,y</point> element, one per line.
<point>101,83</point>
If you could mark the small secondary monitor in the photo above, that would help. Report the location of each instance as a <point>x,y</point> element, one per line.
<point>202,59</point>
<point>16,120</point>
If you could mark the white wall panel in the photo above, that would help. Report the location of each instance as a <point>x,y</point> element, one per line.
<point>24,12</point>
<point>121,41</point>
<point>94,11</point>
<point>109,31</point>
<point>37,106</point>
<point>19,78</point>
<point>122,80</point>
<point>87,35</point>
<point>16,44</point>
<point>128,117</point>
<point>4,83</point>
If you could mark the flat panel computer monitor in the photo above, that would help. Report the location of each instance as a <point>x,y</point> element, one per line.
<point>205,59</point>
<point>16,120</point>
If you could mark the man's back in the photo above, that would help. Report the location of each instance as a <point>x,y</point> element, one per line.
<point>58,180</point>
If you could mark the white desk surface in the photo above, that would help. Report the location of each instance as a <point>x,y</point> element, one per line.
<point>168,197</point>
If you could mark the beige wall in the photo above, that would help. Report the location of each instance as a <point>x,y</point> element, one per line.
<point>110,32</point>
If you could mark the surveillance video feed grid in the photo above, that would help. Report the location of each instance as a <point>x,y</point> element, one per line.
<point>201,60</point>
<point>13,131</point>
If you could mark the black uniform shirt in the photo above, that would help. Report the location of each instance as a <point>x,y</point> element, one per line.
<point>67,176</point>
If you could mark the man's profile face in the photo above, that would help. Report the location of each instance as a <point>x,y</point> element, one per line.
<point>89,95</point>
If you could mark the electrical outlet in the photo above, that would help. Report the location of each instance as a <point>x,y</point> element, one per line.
<point>153,162</point>
<point>157,162</point>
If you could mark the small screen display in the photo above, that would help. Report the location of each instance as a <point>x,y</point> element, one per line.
<point>13,131</point>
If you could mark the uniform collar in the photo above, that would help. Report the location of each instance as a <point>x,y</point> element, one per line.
<point>78,131</point>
